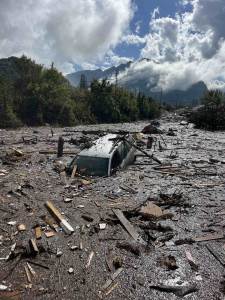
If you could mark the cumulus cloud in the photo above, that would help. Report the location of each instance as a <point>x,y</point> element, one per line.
<point>111,59</point>
<point>134,39</point>
<point>66,32</point>
<point>184,49</point>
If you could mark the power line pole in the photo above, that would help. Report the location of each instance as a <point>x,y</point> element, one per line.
<point>116,75</point>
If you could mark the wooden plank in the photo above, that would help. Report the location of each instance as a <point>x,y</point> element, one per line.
<point>209,237</point>
<point>113,277</point>
<point>27,274</point>
<point>91,255</point>
<point>60,219</point>
<point>31,269</point>
<point>49,234</point>
<point>33,245</point>
<point>128,226</point>
<point>54,211</point>
<point>74,171</point>
<point>38,232</point>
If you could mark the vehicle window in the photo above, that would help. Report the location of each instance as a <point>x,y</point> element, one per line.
<point>127,148</point>
<point>124,149</point>
<point>93,166</point>
<point>116,160</point>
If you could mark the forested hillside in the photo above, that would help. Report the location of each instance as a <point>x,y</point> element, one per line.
<point>33,95</point>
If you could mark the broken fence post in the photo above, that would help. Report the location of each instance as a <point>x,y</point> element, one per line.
<point>60,147</point>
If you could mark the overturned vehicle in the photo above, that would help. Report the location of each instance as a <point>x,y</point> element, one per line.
<point>108,154</point>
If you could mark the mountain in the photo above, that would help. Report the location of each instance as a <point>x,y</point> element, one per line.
<point>189,96</point>
<point>175,97</point>
<point>74,78</point>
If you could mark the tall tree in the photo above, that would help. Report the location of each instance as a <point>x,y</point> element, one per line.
<point>83,82</point>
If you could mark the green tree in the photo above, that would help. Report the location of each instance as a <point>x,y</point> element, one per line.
<point>83,82</point>
<point>213,97</point>
<point>8,117</point>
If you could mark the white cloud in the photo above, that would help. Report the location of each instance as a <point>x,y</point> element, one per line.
<point>66,32</point>
<point>138,27</point>
<point>133,39</point>
<point>112,59</point>
<point>184,49</point>
<point>155,13</point>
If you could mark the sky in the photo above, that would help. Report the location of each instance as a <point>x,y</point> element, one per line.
<point>184,40</point>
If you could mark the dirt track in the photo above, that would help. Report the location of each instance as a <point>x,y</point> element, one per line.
<point>196,171</point>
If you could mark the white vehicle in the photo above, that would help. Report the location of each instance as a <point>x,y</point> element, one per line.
<point>109,153</point>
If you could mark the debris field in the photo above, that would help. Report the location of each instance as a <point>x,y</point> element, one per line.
<point>154,230</point>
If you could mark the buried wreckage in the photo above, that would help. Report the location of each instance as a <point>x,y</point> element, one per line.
<point>108,153</point>
<point>147,231</point>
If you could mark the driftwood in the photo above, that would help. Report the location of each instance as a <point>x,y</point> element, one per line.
<point>179,291</point>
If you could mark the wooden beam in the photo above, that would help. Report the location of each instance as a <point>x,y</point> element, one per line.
<point>128,226</point>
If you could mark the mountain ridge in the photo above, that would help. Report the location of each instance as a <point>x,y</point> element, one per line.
<point>177,96</point>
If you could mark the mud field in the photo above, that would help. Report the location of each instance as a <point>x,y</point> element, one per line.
<point>177,208</point>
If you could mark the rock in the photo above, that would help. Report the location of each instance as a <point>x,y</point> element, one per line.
<point>183,123</point>
<point>80,206</point>
<point>59,166</point>
<point>74,248</point>
<point>117,262</point>
<point>171,132</point>
<point>153,211</point>
<point>140,280</point>
<point>132,247</point>
<point>150,129</point>
<point>169,243</point>
<point>102,226</point>
<point>59,253</point>
<point>67,200</point>
<point>21,227</point>
<point>12,223</point>
<point>3,287</point>
<point>155,123</point>
<point>71,270</point>
<point>168,262</point>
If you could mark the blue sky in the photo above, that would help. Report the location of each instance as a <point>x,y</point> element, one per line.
<point>184,44</point>
<point>142,16</point>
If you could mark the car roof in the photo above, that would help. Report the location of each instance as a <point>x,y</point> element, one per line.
<point>102,147</point>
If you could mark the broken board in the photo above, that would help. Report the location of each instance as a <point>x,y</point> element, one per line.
<point>128,226</point>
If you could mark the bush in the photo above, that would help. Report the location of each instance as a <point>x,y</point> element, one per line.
<point>8,119</point>
<point>211,115</point>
